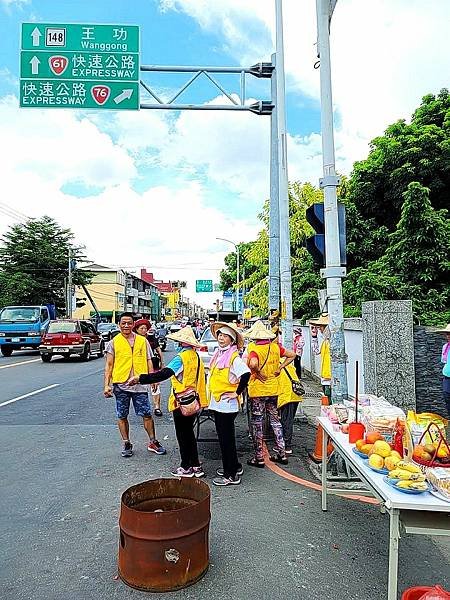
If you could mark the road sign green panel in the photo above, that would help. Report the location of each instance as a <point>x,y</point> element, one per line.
<point>48,93</point>
<point>77,37</point>
<point>79,66</point>
<point>204,285</point>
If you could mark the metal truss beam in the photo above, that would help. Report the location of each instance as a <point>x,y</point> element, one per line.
<point>261,70</point>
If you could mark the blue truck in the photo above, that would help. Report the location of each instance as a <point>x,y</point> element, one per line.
<point>23,326</point>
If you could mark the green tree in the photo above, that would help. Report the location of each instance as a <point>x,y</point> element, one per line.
<point>418,151</point>
<point>34,258</point>
<point>415,265</point>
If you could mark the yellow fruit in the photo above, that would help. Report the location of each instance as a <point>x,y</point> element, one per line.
<point>404,484</point>
<point>366,448</point>
<point>382,448</point>
<point>376,461</point>
<point>359,444</point>
<point>390,462</point>
<point>396,454</point>
<point>407,466</point>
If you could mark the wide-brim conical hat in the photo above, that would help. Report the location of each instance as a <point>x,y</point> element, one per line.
<point>445,330</point>
<point>186,336</point>
<point>258,331</point>
<point>322,320</point>
<point>218,324</point>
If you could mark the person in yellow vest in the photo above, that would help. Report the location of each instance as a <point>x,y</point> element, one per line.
<point>127,355</point>
<point>324,350</point>
<point>287,404</point>
<point>263,358</point>
<point>227,379</point>
<point>187,376</point>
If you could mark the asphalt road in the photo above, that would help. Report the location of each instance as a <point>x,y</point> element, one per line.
<point>62,476</point>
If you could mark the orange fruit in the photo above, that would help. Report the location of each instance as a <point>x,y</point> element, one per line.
<point>373,436</point>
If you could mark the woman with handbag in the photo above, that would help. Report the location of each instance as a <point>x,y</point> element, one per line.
<point>228,378</point>
<point>187,398</point>
<point>263,358</point>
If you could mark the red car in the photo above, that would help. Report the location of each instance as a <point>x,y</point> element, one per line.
<point>71,336</point>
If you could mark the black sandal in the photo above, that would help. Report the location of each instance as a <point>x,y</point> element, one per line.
<point>158,412</point>
<point>255,463</point>
<point>282,460</point>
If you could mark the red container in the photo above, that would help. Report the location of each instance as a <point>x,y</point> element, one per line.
<point>355,432</point>
<point>416,593</point>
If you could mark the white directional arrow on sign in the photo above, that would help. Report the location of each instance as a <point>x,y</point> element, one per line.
<point>35,62</point>
<point>124,95</point>
<point>36,34</point>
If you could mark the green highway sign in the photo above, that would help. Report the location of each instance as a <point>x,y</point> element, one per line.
<point>80,66</point>
<point>77,37</point>
<point>204,285</point>
<point>44,93</point>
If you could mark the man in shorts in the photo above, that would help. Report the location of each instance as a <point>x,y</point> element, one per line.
<point>128,354</point>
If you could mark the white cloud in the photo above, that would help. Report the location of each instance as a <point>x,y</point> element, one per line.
<point>60,147</point>
<point>169,229</point>
<point>10,3</point>
<point>385,55</point>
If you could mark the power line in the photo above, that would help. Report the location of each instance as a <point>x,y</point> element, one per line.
<point>14,211</point>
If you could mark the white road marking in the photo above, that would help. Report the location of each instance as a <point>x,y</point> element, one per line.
<point>49,387</point>
<point>23,362</point>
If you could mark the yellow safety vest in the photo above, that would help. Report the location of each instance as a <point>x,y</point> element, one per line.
<point>127,359</point>
<point>285,393</point>
<point>219,380</point>
<point>325,356</point>
<point>190,360</point>
<point>269,360</point>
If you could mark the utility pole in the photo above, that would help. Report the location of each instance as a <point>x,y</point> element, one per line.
<point>333,272</point>
<point>69,287</point>
<point>274,208</point>
<point>285,242</point>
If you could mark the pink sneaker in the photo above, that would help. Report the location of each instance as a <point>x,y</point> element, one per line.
<point>180,472</point>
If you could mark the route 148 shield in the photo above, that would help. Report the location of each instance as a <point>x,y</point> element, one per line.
<point>58,64</point>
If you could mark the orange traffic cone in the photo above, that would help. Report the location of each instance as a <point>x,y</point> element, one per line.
<point>316,454</point>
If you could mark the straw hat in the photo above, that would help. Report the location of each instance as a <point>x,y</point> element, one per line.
<point>322,320</point>
<point>446,330</point>
<point>185,336</point>
<point>233,332</point>
<point>258,331</point>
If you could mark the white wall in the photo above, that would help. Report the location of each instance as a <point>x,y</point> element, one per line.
<point>354,348</point>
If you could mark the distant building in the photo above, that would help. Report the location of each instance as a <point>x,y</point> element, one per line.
<point>107,289</point>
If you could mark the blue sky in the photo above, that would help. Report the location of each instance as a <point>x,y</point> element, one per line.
<point>176,181</point>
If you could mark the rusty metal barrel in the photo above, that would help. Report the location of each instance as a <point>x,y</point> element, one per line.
<point>164,534</point>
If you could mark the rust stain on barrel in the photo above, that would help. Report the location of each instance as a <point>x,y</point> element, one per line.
<point>164,534</point>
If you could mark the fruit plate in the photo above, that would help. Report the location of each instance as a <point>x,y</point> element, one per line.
<point>382,471</point>
<point>403,490</point>
<point>361,454</point>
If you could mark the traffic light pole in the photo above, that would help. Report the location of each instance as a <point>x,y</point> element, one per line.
<point>333,272</point>
<point>274,209</point>
<point>285,240</point>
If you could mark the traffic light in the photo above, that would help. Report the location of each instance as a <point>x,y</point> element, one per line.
<point>316,244</point>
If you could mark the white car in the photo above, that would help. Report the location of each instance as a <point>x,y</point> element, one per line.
<point>209,345</point>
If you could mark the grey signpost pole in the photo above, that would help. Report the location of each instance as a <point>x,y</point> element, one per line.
<point>285,244</point>
<point>333,271</point>
<point>236,247</point>
<point>274,211</point>
<point>69,287</point>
